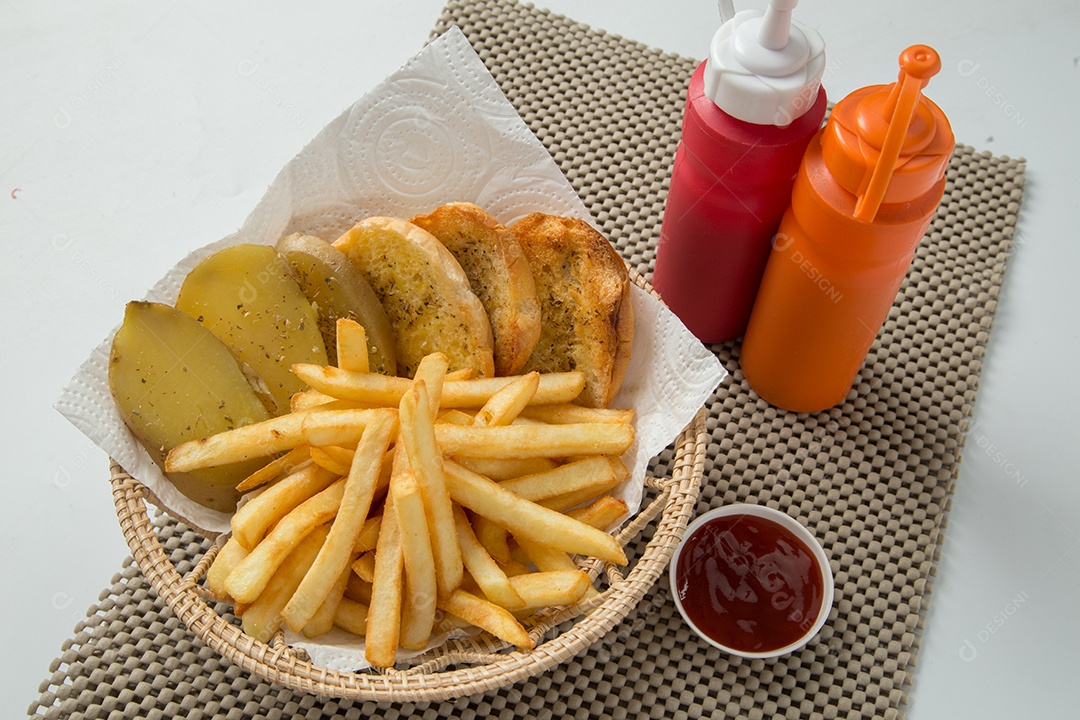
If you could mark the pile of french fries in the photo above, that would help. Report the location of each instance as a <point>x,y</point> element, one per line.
<point>397,509</point>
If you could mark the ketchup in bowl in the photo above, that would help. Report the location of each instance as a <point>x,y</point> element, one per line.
<point>752,581</point>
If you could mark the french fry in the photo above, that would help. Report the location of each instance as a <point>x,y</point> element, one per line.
<point>527,519</point>
<point>487,616</point>
<point>593,473</point>
<point>602,513</point>
<point>364,566</point>
<point>564,414</point>
<point>355,504</point>
<point>573,499</point>
<point>352,348</point>
<point>506,404</point>
<point>287,463</point>
<point>418,603</point>
<point>535,440</point>
<point>368,388</point>
<point>250,577</point>
<point>506,468</point>
<point>493,538</point>
<point>323,619</point>
<point>383,625</point>
<point>369,535</point>
<point>250,522</point>
<point>550,560</point>
<point>247,442</point>
<point>262,618</point>
<point>351,616</point>
<point>457,417</point>
<point>546,559</point>
<point>554,588</point>
<point>460,374</point>
<point>483,569</point>
<point>385,391</point>
<point>336,427</point>
<point>358,590</point>
<point>228,557</point>
<point>432,371</point>
<point>308,399</point>
<point>514,568</point>
<point>425,458</point>
<point>328,461</point>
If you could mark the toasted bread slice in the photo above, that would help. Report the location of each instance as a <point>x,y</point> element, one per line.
<point>500,276</point>
<point>584,290</point>
<point>425,293</point>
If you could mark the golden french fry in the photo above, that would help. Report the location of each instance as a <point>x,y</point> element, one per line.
<point>364,566</point>
<point>228,557</point>
<point>308,399</point>
<point>328,461</point>
<point>487,616</point>
<point>460,374</point>
<point>552,588</point>
<point>252,519</point>
<point>482,568</point>
<point>514,568</point>
<point>369,388</point>
<point>545,559</point>
<point>336,427</point>
<point>602,513</point>
<point>385,391</point>
<point>358,590</point>
<point>432,372</point>
<point>369,535</point>
<point>573,499</point>
<point>493,538</point>
<point>351,616</point>
<point>535,440</point>
<point>249,578</point>
<point>383,625</point>
<point>425,458</point>
<point>564,414</point>
<point>287,463</point>
<point>323,619</point>
<point>262,618</point>
<point>506,404</point>
<point>527,519</point>
<point>457,417</point>
<point>355,504</point>
<point>418,603</point>
<point>594,473</point>
<point>506,468</point>
<point>260,439</point>
<point>550,560</point>
<point>352,346</point>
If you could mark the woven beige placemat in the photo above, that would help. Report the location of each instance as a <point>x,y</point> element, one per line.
<point>872,478</point>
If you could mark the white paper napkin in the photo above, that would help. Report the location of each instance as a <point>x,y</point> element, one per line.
<point>437,130</point>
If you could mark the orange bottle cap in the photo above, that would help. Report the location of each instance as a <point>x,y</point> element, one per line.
<point>889,143</point>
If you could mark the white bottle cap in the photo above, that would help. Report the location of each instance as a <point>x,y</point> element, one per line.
<point>763,67</point>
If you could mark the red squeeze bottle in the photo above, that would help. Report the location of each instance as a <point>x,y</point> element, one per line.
<point>751,109</point>
<point>865,194</point>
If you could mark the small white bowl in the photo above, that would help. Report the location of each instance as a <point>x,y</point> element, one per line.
<point>796,529</point>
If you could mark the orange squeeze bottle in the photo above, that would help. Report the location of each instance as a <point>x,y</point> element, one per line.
<point>866,191</point>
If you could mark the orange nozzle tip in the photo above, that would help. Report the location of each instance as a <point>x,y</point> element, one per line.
<point>920,61</point>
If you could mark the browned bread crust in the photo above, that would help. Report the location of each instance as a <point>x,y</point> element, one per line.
<point>584,291</point>
<point>425,293</point>
<point>499,274</point>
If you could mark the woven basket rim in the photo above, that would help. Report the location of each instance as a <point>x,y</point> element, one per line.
<point>485,671</point>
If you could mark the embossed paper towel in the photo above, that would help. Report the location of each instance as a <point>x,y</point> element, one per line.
<point>437,130</point>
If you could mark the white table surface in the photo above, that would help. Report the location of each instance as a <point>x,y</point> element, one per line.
<point>135,132</point>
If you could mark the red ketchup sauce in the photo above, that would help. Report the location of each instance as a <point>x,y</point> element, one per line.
<point>749,583</point>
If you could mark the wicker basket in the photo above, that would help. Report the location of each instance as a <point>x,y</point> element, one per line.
<point>460,667</point>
